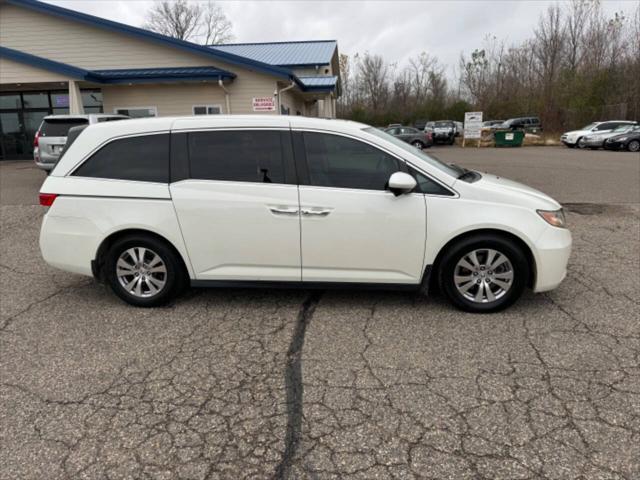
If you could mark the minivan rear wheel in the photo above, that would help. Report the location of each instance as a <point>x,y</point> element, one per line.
<point>484,273</point>
<point>143,271</point>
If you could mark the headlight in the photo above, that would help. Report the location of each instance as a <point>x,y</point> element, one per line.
<point>553,217</point>
<point>621,139</point>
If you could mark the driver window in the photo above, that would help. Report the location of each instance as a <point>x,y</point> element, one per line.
<point>336,161</point>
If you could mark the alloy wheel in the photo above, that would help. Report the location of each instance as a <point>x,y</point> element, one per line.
<point>141,272</point>
<point>634,146</point>
<point>483,275</point>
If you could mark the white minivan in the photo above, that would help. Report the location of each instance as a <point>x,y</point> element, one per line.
<point>152,205</point>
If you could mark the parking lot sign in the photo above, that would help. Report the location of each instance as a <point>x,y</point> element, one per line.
<point>472,126</point>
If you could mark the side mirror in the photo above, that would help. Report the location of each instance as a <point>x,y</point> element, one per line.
<point>400,182</point>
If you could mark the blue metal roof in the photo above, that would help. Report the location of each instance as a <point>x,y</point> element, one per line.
<point>284,54</point>
<point>318,83</point>
<point>138,75</point>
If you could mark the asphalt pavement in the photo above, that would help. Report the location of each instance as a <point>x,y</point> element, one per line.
<point>235,383</point>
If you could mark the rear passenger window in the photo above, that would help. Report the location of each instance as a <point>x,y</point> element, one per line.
<point>144,158</point>
<point>336,161</point>
<point>237,156</point>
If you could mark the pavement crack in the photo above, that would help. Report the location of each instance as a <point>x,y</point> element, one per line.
<point>293,385</point>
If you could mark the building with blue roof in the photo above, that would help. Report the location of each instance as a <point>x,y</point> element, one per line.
<point>55,60</point>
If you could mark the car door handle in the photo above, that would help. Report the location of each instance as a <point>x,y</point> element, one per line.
<point>320,212</point>
<point>279,210</point>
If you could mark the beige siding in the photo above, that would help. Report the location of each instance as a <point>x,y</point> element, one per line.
<point>85,46</point>
<point>89,47</point>
<point>179,98</point>
<point>169,99</point>
<point>293,102</point>
<point>14,72</point>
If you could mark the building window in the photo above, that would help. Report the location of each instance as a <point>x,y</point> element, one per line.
<point>10,100</point>
<point>137,112</point>
<point>207,109</point>
<point>35,100</point>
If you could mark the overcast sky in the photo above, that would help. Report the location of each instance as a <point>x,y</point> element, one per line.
<point>396,29</point>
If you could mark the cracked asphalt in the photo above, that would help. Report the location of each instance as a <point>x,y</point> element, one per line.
<point>230,384</point>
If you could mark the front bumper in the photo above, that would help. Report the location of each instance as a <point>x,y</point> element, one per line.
<point>553,250</point>
<point>569,142</point>
<point>614,145</point>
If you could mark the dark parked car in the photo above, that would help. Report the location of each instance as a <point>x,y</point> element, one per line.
<point>444,131</point>
<point>528,124</point>
<point>492,124</point>
<point>412,135</point>
<point>629,140</point>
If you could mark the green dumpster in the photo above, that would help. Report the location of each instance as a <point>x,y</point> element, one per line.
<point>508,139</point>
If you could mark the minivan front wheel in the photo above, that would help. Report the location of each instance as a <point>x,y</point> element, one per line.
<point>484,273</point>
<point>143,271</point>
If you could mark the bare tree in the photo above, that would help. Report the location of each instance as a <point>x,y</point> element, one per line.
<point>178,19</point>
<point>374,77</point>
<point>345,99</point>
<point>203,23</point>
<point>577,18</point>
<point>216,27</point>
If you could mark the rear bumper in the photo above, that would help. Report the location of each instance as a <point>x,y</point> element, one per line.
<point>69,243</point>
<point>45,165</point>
<point>593,143</point>
<point>553,250</point>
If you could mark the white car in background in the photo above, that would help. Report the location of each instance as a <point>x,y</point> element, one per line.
<point>576,138</point>
<point>152,205</point>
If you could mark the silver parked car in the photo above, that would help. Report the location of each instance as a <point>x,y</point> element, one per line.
<point>52,135</point>
<point>596,140</point>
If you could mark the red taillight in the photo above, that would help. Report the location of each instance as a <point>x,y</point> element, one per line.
<point>46,199</point>
<point>36,139</point>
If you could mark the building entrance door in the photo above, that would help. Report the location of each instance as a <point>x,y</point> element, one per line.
<point>17,129</point>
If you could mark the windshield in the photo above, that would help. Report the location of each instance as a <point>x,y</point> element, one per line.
<point>454,171</point>
<point>589,127</point>
<point>443,124</point>
<point>623,128</point>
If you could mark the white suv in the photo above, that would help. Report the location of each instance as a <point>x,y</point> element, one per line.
<point>151,205</point>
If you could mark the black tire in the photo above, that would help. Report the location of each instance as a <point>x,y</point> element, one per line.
<point>570,145</point>
<point>503,245</point>
<point>175,278</point>
<point>634,146</point>
<point>418,144</point>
